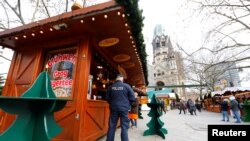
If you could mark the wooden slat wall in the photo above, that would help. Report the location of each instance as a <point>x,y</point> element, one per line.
<point>81,119</point>
<point>23,71</point>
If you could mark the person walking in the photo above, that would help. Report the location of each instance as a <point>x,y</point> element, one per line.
<point>192,108</point>
<point>235,108</point>
<point>162,102</point>
<point>133,113</point>
<point>188,106</point>
<point>120,96</point>
<point>182,107</point>
<point>224,107</point>
<point>198,105</point>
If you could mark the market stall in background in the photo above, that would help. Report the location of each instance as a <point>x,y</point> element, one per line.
<point>165,95</point>
<point>213,100</point>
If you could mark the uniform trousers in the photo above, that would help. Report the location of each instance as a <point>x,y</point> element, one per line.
<point>124,121</point>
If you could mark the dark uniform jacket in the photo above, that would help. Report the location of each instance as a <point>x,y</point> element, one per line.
<point>120,96</point>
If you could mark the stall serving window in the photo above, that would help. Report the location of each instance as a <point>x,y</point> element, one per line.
<point>60,65</point>
<point>102,75</point>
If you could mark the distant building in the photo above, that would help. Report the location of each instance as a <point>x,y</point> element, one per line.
<point>167,63</point>
<point>232,75</point>
<point>227,75</point>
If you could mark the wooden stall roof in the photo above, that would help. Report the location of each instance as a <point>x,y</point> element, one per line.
<point>103,21</point>
<point>231,91</point>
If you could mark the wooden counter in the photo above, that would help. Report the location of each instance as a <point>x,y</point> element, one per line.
<point>214,108</point>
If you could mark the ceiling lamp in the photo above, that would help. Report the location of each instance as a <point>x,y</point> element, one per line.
<point>121,58</point>
<point>60,26</point>
<point>108,42</point>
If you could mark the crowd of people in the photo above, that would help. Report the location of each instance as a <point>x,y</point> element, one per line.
<point>226,105</point>
<point>124,105</point>
<point>189,106</point>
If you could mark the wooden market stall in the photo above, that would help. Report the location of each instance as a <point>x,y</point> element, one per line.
<point>240,93</point>
<point>212,103</point>
<point>82,50</point>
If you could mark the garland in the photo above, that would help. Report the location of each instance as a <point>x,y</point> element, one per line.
<point>135,19</point>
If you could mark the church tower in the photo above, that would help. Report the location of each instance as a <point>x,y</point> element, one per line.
<point>167,63</point>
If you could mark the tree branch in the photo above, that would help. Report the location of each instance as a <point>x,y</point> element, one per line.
<point>15,11</point>
<point>234,19</point>
<point>46,8</point>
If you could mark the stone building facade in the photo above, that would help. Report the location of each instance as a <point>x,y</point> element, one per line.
<point>167,63</point>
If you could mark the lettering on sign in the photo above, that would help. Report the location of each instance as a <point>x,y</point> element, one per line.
<point>60,66</point>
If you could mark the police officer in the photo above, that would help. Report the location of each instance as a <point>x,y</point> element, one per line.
<point>119,96</point>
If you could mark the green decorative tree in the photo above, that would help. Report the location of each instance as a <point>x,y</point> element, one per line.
<point>35,112</point>
<point>155,124</point>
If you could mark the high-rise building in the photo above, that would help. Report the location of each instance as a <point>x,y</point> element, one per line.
<point>167,63</point>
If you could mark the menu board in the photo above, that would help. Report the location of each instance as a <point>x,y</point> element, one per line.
<point>60,65</point>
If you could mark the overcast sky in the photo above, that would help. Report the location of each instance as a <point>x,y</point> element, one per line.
<point>175,16</point>
<point>157,12</point>
<point>180,23</point>
<point>4,64</point>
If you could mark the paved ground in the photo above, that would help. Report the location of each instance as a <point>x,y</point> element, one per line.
<point>180,127</point>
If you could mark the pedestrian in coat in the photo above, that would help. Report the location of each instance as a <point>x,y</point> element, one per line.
<point>224,107</point>
<point>120,96</point>
<point>235,108</point>
<point>133,113</point>
<point>182,107</point>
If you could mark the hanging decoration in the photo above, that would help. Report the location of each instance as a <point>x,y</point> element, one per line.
<point>122,71</point>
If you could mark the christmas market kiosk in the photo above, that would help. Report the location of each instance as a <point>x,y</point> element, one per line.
<point>82,51</point>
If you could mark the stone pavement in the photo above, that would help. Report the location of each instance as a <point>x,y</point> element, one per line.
<point>180,127</point>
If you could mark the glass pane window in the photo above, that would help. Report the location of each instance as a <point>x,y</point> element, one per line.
<point>60,65</point>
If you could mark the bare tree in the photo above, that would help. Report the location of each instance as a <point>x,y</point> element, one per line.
<point>225,42</point>
<point>19,12</point>
<point>200,69</point>
<point>231,33</point>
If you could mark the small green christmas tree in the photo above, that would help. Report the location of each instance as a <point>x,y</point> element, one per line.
<point>155,124</point>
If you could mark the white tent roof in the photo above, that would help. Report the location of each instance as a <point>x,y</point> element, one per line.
<point>235,89</point>
<point>169,95</point>
<point>217,92</point>
<point>231,89</point>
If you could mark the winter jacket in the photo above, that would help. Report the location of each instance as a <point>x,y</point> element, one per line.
<point>120,96</point>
